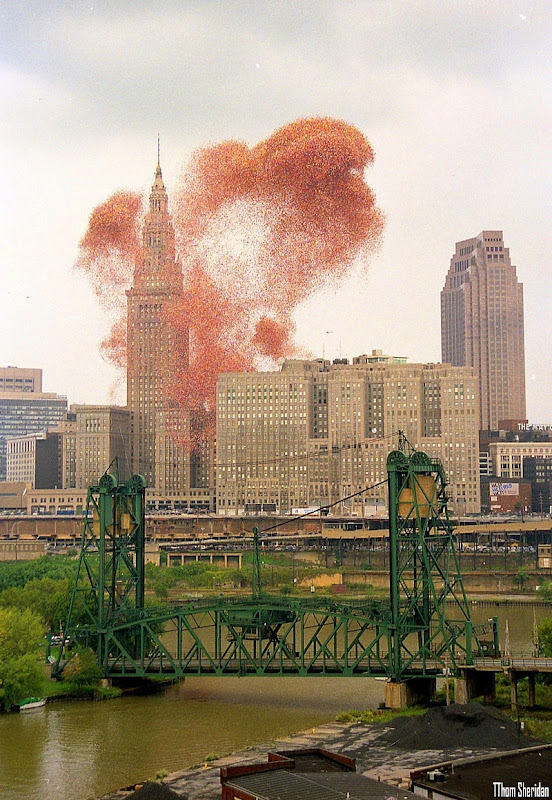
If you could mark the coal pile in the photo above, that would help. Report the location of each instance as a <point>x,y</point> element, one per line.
<point>471,726</point>
<point>155,791</point>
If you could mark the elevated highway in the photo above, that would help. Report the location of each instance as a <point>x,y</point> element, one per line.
<point>184,528</point>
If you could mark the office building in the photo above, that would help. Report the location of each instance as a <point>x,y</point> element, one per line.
<point>508,448</point>
<point>315,433</point>
<point>156,349</point>
<point>482,324</point>
<point>35,459</point>
<point>17,379</point>
<point>101,441</point>
<point>68,435</point>
<point>74,454</point>
<point>505,496</point>
<point>24,408</point>
<point>538,470</point>
<point>517,453</point>
<point>152,343</point>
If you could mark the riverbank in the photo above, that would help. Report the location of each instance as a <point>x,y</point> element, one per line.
<point>55,691</point>
<point>382,748</point>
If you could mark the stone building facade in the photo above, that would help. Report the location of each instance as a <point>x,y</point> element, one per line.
<point>315,433</point>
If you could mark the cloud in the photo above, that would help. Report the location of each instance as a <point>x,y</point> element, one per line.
<point>194,65</point>
<point>455,97</point>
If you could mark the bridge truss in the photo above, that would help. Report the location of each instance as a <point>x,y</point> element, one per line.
<point>423,629</point>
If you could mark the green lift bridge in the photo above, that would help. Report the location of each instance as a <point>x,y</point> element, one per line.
<point>424,629</point>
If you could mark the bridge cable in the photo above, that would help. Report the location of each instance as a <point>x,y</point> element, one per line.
<point>323,508</point>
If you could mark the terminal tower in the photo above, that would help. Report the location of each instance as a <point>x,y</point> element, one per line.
<point>153,346</point>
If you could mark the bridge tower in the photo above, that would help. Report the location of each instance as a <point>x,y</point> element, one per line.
<point>109,585</point>
<point>430,616</point>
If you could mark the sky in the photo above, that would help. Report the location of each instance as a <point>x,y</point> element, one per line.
<point>454,96</point>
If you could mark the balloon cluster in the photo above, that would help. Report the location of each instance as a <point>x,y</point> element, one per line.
<point>258,230</point>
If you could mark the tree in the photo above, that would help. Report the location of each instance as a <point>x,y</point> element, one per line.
<point>21,635</point>
<point>19,573</point>
<point>545,636</point>
<point>521,578</point>
<point>21,677</point>
<point>47,597</point>
<point>21,632</point>
<point>545,590</point>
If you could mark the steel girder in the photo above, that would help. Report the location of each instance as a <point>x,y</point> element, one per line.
<point>253,636</point>
<point>430,616</point>
<point>110,582</point>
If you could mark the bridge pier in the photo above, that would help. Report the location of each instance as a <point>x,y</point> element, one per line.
<point>474,684</point>
<point>402,694</point>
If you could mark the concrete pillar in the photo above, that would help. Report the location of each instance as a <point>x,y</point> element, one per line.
<point>475,684</point>
<point>489,694</point>
<point>403,694</point>
<point>461,691</point>
<point>395,695</point>
<point>484,685</point>
<point>532,697</point>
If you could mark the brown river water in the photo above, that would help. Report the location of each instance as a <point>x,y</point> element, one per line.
<point>78,750</point>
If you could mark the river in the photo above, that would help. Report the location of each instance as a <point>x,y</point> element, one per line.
<point>76,750</point>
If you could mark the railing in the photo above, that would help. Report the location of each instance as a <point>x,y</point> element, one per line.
<point>516,659</point>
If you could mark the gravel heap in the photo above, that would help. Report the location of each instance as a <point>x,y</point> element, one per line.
<point>456,726</point>
<point>154,791</point>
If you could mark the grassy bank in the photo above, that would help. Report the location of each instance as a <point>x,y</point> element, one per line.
<point>382,715</point>
<point>64,690</point>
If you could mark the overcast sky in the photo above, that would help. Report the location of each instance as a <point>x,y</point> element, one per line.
<point>454,96</point>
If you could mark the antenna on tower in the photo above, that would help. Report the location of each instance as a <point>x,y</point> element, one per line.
<point>158,150</point>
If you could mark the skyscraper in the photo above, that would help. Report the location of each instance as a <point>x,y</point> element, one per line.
<point>152,343</point>
<point>482,324</point>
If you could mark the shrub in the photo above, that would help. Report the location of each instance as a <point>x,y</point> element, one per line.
<point>545,590</point>
<point>83,669</point>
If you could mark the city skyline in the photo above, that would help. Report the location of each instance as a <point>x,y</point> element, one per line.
<point>72,134</point>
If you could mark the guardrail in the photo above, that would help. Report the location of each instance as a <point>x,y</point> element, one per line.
<point>515,661</point>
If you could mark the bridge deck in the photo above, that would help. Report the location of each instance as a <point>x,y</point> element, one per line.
<point>283,667</point>
<point>288,666</point>
<point>517,663</point>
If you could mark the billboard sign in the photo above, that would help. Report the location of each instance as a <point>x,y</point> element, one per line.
<point>497,489</point>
